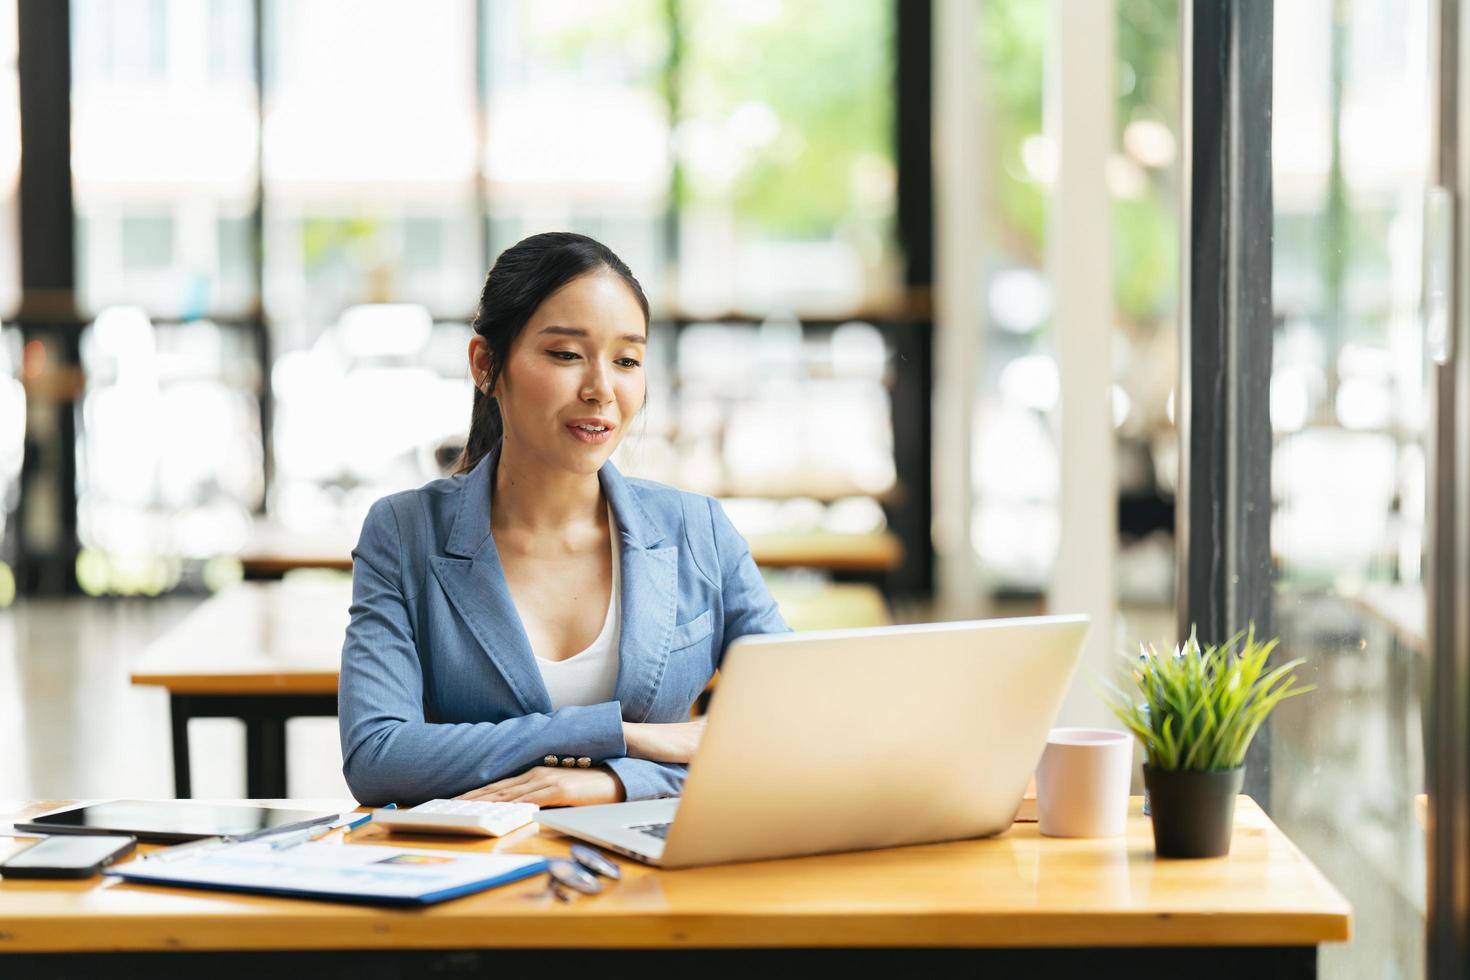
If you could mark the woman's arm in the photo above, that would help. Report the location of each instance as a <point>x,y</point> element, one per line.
<point>389,752</point>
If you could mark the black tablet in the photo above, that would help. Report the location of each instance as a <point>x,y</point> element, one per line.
<point>168,820</point>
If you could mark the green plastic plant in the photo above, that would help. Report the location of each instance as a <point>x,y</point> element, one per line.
<point>1200,708</point>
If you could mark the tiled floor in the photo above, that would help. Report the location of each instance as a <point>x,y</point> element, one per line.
<point>1346,760</point>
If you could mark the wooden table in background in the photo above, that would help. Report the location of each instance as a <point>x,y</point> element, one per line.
<point>266,652</point>
<point>273,551</point>
<point>1403,608</point>
<point>1011,906</point>
<point>262,652</point>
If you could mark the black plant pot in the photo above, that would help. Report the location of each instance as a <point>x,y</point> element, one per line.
<point>1193,812</point>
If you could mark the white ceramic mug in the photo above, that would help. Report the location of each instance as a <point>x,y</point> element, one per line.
<point>1082,783</point>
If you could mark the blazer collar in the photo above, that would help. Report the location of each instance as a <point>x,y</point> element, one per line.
<point>471,527</point>
<point>649,601</point>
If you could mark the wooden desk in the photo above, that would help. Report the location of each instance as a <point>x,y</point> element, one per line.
<point>273,551</point>
<point>1015,905</point>
<point>266,652</point>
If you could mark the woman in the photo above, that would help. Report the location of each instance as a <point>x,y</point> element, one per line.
<point>536,627</point>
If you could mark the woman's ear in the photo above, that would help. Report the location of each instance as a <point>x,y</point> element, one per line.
<point>480,363</point>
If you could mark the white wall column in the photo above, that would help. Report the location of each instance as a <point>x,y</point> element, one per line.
<point>1080,96</point>
<point>959,313</point>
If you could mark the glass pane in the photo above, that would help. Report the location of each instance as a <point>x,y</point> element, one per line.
<point>169,450</point>
<point>788,179</point>
<point>373,251</point>
<point>1144,180</point>
<point>164,137</point>
<point>9,162</point>
<point>342,436</point>
<point>1348,410</point>
<point>12,453</point>
<point>745,411</point>
<point>577,126</point>
<point>369,173</point>
<point>1015,524</point>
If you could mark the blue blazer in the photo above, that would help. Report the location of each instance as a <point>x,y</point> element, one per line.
<point>439,690</point>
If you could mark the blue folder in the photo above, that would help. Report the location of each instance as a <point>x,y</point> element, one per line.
<point>365,873</point>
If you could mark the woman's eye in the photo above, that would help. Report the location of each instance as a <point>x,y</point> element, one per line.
<point>562,355</point>
<point>628,362</point>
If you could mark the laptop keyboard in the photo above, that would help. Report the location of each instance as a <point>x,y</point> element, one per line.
<point>659,830</point>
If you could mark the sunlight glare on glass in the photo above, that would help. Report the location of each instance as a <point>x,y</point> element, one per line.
<point>1020,300</point>
<point>1150,142</point>
<point>384,329</point>
<point>1032,381</point>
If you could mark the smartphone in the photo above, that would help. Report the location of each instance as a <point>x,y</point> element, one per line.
<point>68,856</point>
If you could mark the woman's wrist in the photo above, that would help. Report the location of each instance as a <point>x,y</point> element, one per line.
<point>620,792</point>
<point>662,742</point>
<point>633,738</point>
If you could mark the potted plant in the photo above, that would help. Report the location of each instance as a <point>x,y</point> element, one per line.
<point>1200,708</point>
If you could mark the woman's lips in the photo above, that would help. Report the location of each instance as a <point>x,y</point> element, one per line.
<point>591,438</point>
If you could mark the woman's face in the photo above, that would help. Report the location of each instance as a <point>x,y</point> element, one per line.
<point>575,369</point>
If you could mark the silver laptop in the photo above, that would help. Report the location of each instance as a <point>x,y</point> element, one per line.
<point>845,740</point>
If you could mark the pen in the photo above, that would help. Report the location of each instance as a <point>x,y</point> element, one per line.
<point>353,820</point>
<point>278,830</point>
<point>300,832</point>
<point>348,821</point>
<point>300,837</point>
<point>185,850</point>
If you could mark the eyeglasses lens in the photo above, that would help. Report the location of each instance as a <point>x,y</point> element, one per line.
<point>571,875</point>
<point>596,862</point>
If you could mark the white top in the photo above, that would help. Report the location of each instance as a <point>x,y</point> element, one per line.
<point>591,677</point>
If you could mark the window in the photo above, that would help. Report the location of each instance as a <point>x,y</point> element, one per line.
<point>9,162</point>
<point>1015,527</point>
<point>1349,413</point>
<point>359,160</point>
<point>164,127</point>
<point>577,133</point>
<point>787,196</point>
<point>381,198</point>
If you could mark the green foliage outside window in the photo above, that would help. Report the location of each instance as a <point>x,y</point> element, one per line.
<point>825,70</point>
<point>1013,36</point>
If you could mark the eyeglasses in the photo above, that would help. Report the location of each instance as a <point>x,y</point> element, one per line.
<point>581,873</point>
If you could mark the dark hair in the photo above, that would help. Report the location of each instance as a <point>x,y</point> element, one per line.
<point>520,281</point>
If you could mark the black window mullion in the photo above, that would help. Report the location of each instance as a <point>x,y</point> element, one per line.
<point>912,340</point>
<point>46,517</point>
<point>1224,504</point>
<point>1447,579</point>
<point>259,323</point>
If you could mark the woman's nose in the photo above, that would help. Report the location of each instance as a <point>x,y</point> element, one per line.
<point>597,389</point>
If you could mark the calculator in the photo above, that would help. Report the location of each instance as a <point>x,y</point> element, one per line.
<point>473,818</point>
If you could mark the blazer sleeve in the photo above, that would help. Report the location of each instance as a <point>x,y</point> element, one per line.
<point>645,780</point>
<point>389,751</point>
<point>748,605</point>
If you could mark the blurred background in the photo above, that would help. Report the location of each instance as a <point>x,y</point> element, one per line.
<point>852,219</point>
<point>279,244</point>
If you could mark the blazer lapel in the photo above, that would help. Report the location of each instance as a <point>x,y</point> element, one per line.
<point>650,598</point>
<point>478,590</point>
<point>475,584</point>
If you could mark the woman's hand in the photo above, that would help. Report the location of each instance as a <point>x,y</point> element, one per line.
<point>553,786</point>
<point>676,742</point>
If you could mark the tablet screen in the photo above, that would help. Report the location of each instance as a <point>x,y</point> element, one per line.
<point>167,820</point>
